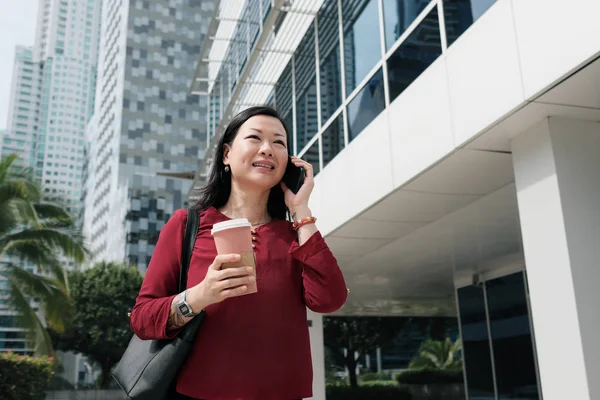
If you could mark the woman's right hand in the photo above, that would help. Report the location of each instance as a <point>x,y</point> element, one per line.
<point>220,284</point>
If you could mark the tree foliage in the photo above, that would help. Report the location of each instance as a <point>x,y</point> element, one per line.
<point>360,336</point>
<point>103,296</point>
<point>43,234</point>
<point>438,355</point>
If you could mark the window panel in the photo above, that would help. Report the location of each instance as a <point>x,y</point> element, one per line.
<point>420,49</point>
<point>398,15</point>
<point>459,15</point>
<point>329,59</point>
<point>366,106</point>
<point>333,139</point>
<point>362,43</point>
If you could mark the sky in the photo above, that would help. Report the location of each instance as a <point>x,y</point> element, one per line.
<point>17,27</point>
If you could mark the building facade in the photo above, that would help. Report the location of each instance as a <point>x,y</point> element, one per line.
<point>51,100</point>
<point>455,145</point>
<point>147,133</point>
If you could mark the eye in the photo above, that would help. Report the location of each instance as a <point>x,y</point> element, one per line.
<point>280,142</point>
<point>253,137</point>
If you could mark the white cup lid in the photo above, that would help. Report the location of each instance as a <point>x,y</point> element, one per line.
<point>230,224</point>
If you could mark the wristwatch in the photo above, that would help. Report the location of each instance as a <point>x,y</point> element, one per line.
<point>184,307</point>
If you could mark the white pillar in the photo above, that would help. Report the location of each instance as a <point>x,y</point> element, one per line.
<point>557,175</point>
<point>317,348</point>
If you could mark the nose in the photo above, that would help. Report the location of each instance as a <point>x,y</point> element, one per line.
<point>266,149</point>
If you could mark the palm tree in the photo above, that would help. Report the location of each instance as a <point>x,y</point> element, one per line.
<point>43,234</point>
<point>438,355</point>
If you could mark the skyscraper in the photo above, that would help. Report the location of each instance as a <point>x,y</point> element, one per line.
<point>147,133</point>
<point>51,100</point>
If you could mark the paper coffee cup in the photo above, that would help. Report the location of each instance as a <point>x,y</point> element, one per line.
<point>235,237</point>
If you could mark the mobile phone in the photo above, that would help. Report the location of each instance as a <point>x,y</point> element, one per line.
<point>293,177</point>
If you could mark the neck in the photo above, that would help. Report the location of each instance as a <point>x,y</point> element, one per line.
<point>242,204</point>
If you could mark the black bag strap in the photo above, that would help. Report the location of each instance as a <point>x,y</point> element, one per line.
<point>189,238</point>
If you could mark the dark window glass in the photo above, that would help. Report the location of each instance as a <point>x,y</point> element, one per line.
<point>312,156</point>
<point>329,59</point>
<point>149,74</point>
<point>398,15</point>
<point>168,119</point>
<point>362,43</point>
<point>162,95</point>
<point>333,139</point>
<point>414,55</point>
<point>282,97</point>
<point>137,160</point>
<point>191,151</point>
<point>166,164</point>
<point>140,106</point>
<point>514,359</point>
<point>135,63</point>
<point>366,106</point>
<point>160,148</point>
<point>459,15</point>
<point>182,113</point>
<point>307,123</point>
<point>125,103</point>
<point>476,344</point>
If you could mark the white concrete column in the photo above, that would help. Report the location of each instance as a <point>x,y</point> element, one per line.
<point>557,175</point>
<point>317,348</point>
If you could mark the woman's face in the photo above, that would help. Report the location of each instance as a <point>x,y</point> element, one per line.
<point>258,155</point>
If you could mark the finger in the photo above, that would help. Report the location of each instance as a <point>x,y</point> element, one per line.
<point>224,258</point>
<point>234,272</point>
<point>284,187</point>
<point>235,282</point>
<point>234,291</point>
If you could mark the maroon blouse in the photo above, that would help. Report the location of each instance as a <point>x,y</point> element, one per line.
<point>254,346</point>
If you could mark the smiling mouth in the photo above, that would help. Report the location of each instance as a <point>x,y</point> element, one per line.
<point>263,166</point>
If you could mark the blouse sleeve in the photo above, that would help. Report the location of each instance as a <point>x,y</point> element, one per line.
<point>324,286</point>
<point>153,304</point>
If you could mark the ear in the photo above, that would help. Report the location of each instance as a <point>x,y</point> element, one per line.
<point>226,150</point>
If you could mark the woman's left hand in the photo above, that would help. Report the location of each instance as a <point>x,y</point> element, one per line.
<point>300,199</point>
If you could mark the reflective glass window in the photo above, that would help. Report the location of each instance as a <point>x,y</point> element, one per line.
<point>253,21</point>
<point>333,139</point>
<point>362,43</point>
<point>366,106</point>
<point>312,156</point>
<point>459,15</point>
<point>329,59</point>
<point>398,15</point>
<point>514,359</point>
<point>283,99</point>
<point>476,345</point>
<point>307,123</point>
<point>420,49</point>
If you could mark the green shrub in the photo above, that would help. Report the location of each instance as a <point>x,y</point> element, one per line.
<point>429,376</point>
<point>368,392</point>
<point>375,376</point>
<point>24,377</point>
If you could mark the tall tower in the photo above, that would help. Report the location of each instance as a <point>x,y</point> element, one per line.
<point>147,134</point>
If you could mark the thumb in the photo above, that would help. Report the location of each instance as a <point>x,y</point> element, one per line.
<point>284,187</point>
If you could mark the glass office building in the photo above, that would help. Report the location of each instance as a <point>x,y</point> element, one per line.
<point>447,183</point>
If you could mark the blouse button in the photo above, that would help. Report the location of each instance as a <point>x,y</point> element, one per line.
<point>253,231</point>
<point>253,246</point>
<point>253,238</point>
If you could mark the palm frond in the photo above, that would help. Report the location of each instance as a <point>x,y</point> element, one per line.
<point>6,165</point>
<point>36,253</point>
<point>49,292</point>
<point>53,212</point>
<point>69,243</point>
<point>27,318</point>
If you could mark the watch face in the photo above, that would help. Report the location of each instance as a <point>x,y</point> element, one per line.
<point>184,309</point>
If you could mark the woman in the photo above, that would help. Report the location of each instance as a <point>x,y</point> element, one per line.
<point>254,346</point>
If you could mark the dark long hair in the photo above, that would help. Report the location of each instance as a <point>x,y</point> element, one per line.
<point>218,188</point>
